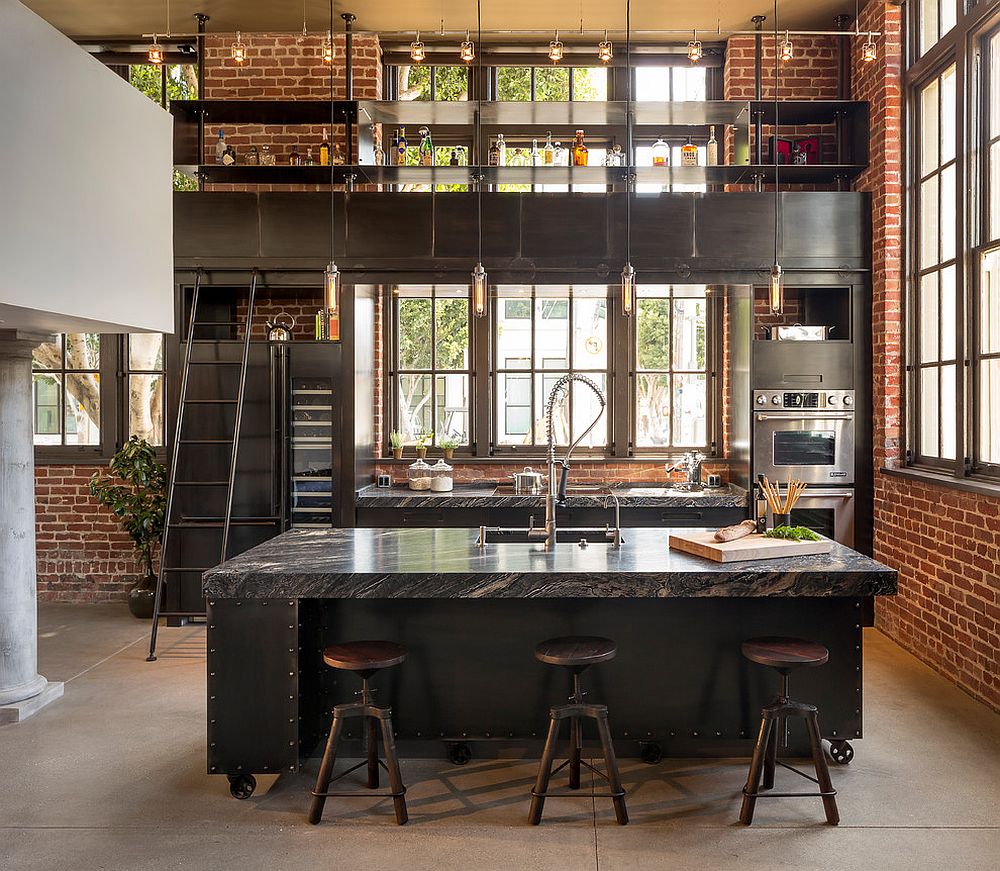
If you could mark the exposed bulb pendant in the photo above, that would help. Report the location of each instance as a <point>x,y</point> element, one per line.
<point>331,289</point>
<point>479,297</point>
<point>785,50</point>
<point>628,290</point>
<point>155,53</point>
<point>418,54</point>
<point>468,51</point>
<point>605,52</point>
<point>556,50</point>
<point>328,48</point>
<point>239,51</point>
<point>869,51</point>
<point>776,294</point>
<point>694,48</point>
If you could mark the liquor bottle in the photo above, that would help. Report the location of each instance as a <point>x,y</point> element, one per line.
<point>294,158</point>
<point>503,150</point>
<point>559,155</point>
<point>689,153</point>
<point>229,156</point>
<point>579,150</point>
<point>401,148</point>
<point>338,155</point>
<point>426,148</point>
<point>324,150</point>
<point>310,161</point>
<point>661,153</point>
<point>712,158</point>
<point>550,152</point>
<point>494,153</point>
<point>454,157</point>
<point>394,150</point>
<point>536,155</point>
<point>220,146</point>
<point>760,508</point>
<point>378,155</point>
<point>616,157</point>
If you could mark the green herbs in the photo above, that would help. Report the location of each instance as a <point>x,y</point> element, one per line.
<point>792,533</point>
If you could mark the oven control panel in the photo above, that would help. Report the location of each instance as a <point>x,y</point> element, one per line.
<point>805,400</point>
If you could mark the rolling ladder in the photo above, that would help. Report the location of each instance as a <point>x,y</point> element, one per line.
<point>175,521</point>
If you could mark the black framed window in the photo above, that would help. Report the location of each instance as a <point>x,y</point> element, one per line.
<point>934,19</point>
<point>144,383</point>
<point>67,396</point>
<point>431,363</point>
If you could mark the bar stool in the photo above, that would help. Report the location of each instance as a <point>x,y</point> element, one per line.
<point>364,658</point>
<point>785,655</point>
<point>577,654</point>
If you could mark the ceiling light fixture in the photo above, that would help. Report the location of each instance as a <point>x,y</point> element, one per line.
<point>155,52</point>
<point>468,50</point>
<point>418,53</point>
<point>239,51</point>
<point>556,50</point>
<point>785,50</point>
<point>628,273</point>
<point>694,49</point>
<point>605,52</point>
<point>330,316</point>
<point>869,51</point>
<point>480,285</point>
<point>328,48</point>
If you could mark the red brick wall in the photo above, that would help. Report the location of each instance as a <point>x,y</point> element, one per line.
<point>944,543</point>
<point>83,556</point>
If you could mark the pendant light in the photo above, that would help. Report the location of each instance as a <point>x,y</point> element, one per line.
<point>327,50</point>
<point>776,292</point>
<point>155,52</point>
<point>605,52</point>
<point>556,50</point>
<point>418,53</point>
<point>330,317</point>
<point>480,284</point>
<point>468,50</point>
<point>869,51</point>
<point>694,48</point>
<point>238,51</point>
<point>786,49</point>
<point>301,40</point>
<point>628,273</point>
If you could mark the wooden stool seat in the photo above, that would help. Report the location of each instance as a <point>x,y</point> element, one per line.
<point>785,653</point>
<point>364,656</point>
<point>576,651</point>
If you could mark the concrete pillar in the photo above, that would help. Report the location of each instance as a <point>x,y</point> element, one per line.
<point>23,690</point>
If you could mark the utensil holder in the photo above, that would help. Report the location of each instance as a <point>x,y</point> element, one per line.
<point>781,520</point>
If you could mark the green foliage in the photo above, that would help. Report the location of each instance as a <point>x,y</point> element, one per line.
<point>136,492</point>
<point>452,322</point>
<point>653,333</point>
<point>792,533</point>
<point>424,439</point>
<point>180,86</point>
<point>448,443</point>
<point>397,440</point>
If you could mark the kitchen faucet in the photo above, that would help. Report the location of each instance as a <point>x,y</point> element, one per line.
<point>691,463</point>
<point>556,493</point>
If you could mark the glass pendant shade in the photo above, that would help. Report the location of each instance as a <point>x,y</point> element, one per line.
<point>328,48</point>
<point>694,50</point>
<point>869,51</point>
<point>556,50</point>
<point>155,53</point>
<point>776,290</point>
<point>239,51</point>
<point>628,290</point>
<point>479,286</point>
<point>785,50</point>
<point>605,52</point>
<point>468,51</point>
<point>418,54</point>
<point>331,289</point>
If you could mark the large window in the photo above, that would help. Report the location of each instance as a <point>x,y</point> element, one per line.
<point>145,383</point>
<point>66,390</point>
<point>431,353</point>
<point>934,19</point>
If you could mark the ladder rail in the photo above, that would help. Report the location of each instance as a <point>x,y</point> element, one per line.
<point>174,454</point>
<point>241,393</point>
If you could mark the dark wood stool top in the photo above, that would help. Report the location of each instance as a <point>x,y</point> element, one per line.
<point>576,650</point>
<point>364,655</point>
<point>785,653</point>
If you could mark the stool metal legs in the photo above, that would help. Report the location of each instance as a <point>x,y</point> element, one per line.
<point>573,713</point>
<point>377,719</point>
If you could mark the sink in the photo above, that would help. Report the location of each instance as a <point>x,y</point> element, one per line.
<point>564,535</point>
<point>670,489</point>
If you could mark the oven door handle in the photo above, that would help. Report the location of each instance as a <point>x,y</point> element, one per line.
<point>833,415</point>
<point>825,494</point>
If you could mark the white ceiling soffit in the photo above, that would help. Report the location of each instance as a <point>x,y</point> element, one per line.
<point>130,17</point>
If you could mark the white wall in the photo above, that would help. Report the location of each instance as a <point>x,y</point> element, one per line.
<point>86,222</point>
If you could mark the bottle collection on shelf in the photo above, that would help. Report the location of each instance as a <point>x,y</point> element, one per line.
<point>225,154</point>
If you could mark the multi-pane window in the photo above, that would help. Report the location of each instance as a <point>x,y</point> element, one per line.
<point>671,367</point>
<point>551,83</point>
<point>432,362</point>
<point>540,335</point>
<point>935,276</point>
<point>145,386</point>
<point>934,19</point>
<point>66,390</point>
<point>427,82</point>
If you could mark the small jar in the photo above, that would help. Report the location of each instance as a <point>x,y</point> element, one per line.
<point>418,476</point>
<point>442,480</point>
<point>253,157</point>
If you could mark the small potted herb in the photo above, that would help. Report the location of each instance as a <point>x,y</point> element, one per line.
<point>448,445</point>
<point>136,492</point>
<point>423,440</point>
<point>396,440</point>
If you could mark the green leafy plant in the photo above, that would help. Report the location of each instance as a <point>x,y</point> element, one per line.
<point>448,443</point>
<point>397,440</point>
<point>424,439</point>
<point>792,533</point>
<point>136,492</point>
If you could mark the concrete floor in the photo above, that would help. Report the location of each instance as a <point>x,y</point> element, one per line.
<point>113,777</point>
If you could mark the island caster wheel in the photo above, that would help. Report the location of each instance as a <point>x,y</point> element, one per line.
<point>242,786</point>
<point>651,753</point>
<point>840,751</point>
<point>459,754</point>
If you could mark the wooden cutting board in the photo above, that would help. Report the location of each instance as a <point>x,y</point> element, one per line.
<point>750,547</point>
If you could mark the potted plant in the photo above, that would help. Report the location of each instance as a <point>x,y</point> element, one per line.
<point>136,492</point>
<point>448,445</point>
<point>423,440</point>
<point>396,440</point>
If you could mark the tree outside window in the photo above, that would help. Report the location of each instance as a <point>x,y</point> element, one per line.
<point>66,390</point>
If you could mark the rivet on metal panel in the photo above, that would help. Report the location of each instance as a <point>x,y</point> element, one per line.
<point>291,650</point>
<point>857,668</point>
<point>291,743</point>
<point>212,722</point>
<point>212,744</point>
<point>291,698</point>
<point>211,674</point>
<point>857,734</point>
<point>834,732</point>
<point>694,734</point>
<point>211,650</point>
<point>211,625</point>
<point>291,674</point>
<point>239,604</point>
<point>212,604</point>
<point>487,734</point>
<point>418,735</point>
<point>291,720</point>
<point>239,767</point>
<point>673,734</point>
<point>212,698</point>
<point>290,626</point>
<point>263,604</point>
<point>291,604</point>
<point>266,767</point>
<point>718,734</point>
<point>857,625</point>
<point>213,768</point>
<point>857,710</point>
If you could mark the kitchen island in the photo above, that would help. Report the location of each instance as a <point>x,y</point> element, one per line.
<point>471,617</point>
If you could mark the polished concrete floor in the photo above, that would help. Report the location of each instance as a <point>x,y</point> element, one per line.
<point>113,777</point>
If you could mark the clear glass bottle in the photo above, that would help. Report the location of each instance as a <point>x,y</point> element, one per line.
<point>253,156</point>
<point>266,156</point>
<point>294,158</point>
<point>442,477</point>
<point>220,146</point>
<point>310,160</point>
<point>560,155</point>
<point>426,147</point>
<point>418,476</point>
<point>712,151</point>
<point>494,153</point>
<point>502,146</point>
<point>580,154</point>
<point>661,153</point>
<point>549,155</point>
<point>689,153</point>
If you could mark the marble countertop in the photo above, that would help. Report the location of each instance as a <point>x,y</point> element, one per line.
<point>485,496</point>
<point>446,563</point>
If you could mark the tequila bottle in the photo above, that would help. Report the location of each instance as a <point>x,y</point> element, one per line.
<point>550,151</point>
<point>324,150</point>
<point>579,150</point>
<point>689,153</point>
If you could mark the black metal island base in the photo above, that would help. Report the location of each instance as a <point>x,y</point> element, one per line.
<point>471,618</point>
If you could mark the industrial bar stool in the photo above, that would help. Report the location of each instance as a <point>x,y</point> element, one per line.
<point>577,654</point>
<point>364,658</point>
<point>784,655</point>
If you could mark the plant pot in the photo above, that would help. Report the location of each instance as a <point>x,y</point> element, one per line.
<point>448,453</point>
<point>141,598</point>
<point>782,520</point>
<point>397,453</point>
<point>421,453</point>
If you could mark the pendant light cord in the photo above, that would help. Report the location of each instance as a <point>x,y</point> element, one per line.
<point>630,162</point>
<point>333,113</point>
<point>777,198</point>
<point>479,127</point>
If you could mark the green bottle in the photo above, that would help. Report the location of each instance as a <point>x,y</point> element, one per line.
<point>426,148</point>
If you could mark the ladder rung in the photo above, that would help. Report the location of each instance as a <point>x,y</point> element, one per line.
<point>201,483</point>
<point>205,441</point>
<point>211,401</point>
<point>218,323</point>
<point>215,362</point>
<point>218,524</point>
